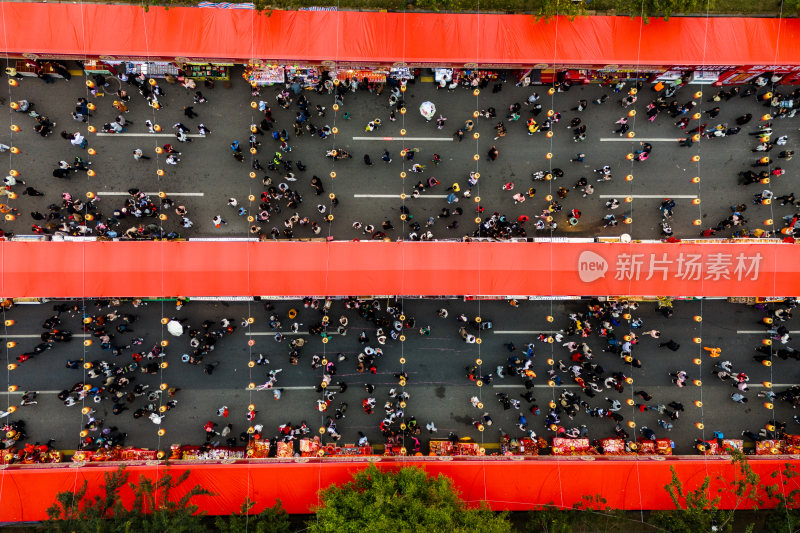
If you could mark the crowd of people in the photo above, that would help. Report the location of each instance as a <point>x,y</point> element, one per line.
<point>277,212</point>
<point>589,368</point>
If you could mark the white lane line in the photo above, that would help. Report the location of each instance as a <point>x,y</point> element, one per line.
<point>266,333</point>
<point>23,392</point>
<point>637,139</point>
<point>757,331</point>
<point>541,386</point>
<point>123,193</point>
<point>622,195</point>
<point>408,196</point>
<point>443,139</point>
<point>308,387</point>
<point>260,333</point>
<point>103,134</point>
<point>510,332</point>
<point>37,336</point>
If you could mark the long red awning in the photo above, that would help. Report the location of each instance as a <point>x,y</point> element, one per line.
<point>202,268</point>
<point>96,30</point>
<point>25,494</point>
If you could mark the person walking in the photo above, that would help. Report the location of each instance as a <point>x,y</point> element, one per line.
<point>738,398</point>
<point>671,344</point>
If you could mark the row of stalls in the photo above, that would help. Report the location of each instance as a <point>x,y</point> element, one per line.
<point>308,75</point>
<point>153,69</point>
<point>305,447</point>
<point>260,74</point>
<point>788,445</point>
<point>314,447</point>
<point>163,69</point>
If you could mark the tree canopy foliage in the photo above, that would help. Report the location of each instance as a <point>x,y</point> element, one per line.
<point>407,500</point>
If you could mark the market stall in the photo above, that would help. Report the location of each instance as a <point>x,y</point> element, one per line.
<point>28,68</point>
<point>153,69</point>
<point>137,454</point>
<point>613,446</point>
<point>348,450</point>
<point>92,66</point>
<point>440,447</point>
<point>206,453</point>
<point>260,76</point>
<point>645,446</point>
<point>30,454</point>
<point>377,75</point>
<point>351,450</point>
<point>258,449</point>
<point>84,455</point>
<point>391,449</point>
<point>117,453</point>
<point>664,446</point>
<point>723,447</point>
<point>309,447</point>
<point>468,448</point>
<point>401,74</point>
<point>306,77</point>
<point>771,447</point>
<point>792,444</point>
<point>444,75</point>
<point>285,449</point>
<point>523,446</point>
<point>564,446</point>
<point>207,71</point>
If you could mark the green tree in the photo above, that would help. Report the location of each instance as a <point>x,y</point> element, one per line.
<point>545,9</point>
<point>785,517</point>
<point>74,512</point>
<point>407,500</point>
<point>270,520</point>
<point>662,8</point>
<point>696,511</point>
<point>591,514</point>
<point>156,507</point>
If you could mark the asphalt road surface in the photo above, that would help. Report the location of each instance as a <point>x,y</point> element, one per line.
<point>438,387</point>
<point>207,174</point>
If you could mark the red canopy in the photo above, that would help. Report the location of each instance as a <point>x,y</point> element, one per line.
<point>25,494</point>
<point>274,268</point>
<point>89,29</point>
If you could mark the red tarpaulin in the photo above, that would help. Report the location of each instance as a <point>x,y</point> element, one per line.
<point>88,29</point>
<point>274,268</point>
<point>25,494</point>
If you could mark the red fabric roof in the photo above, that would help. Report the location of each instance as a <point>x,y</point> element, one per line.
<point>291,36</point>
<point>274,268</point>
<point>25,494</point>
